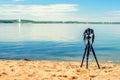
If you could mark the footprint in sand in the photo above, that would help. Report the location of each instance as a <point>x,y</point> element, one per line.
<point>12,70</point>
<point>65,76</point>
<point>74,77</point>
<point>4,73</point>
<point>48,70</point>
<point>93,76</point>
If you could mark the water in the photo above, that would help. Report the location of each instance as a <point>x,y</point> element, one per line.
<point>58,42</point>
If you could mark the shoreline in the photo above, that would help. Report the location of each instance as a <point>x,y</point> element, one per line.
<point>57,70</point>
<point>27,59</point>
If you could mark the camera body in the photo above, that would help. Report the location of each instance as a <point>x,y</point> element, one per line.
<point>88,34</point>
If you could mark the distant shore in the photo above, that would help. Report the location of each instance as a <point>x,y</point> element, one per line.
<point>56,70</point>
<point>56,22</point>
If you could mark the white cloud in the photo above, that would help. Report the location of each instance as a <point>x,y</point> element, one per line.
<point>54,12</point>
<point>106,16</point>
<point>18,0</point>
<point>110,16</point>
<point>44,12</point>
<point>114,13</point>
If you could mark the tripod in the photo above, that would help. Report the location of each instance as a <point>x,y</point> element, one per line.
<point>89,47</point>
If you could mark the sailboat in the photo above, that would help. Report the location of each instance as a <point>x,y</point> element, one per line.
<point>19,24</point>
<point>19,20</point>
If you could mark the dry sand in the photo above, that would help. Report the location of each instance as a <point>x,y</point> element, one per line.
<point>56,70</point>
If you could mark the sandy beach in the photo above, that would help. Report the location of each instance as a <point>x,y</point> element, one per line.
<point>56,70</point>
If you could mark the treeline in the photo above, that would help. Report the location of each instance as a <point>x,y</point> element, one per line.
<point>61,22</point>
<point>16,21</point>
<point>8,21</point>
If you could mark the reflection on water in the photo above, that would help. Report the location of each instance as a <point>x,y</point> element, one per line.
<point>19,25</point>
<point>57,41</point>
<point>39,32</point>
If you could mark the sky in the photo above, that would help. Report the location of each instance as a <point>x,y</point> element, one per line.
<point>61,10</point>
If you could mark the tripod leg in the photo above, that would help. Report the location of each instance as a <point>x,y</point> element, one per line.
<point>95,56</point>
<point>88,52</point>
<point>84,56</point>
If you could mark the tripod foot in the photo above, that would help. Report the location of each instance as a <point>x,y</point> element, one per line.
<point>83,57</point>
<point>95,57</point>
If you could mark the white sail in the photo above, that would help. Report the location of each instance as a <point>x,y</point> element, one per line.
<point>19,20</point>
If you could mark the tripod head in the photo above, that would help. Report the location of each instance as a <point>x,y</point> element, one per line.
<point>88,34</point>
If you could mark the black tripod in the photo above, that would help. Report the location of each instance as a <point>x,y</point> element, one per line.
<point>89,46</point>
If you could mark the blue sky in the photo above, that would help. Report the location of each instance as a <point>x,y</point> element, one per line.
<point>80,10</point>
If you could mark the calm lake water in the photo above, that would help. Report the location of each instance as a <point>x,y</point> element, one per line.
<point>58,42</point>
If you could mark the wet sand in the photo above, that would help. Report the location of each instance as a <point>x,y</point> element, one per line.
<point>56,70</point>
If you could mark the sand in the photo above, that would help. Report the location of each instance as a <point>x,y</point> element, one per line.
<point>56,70</point>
